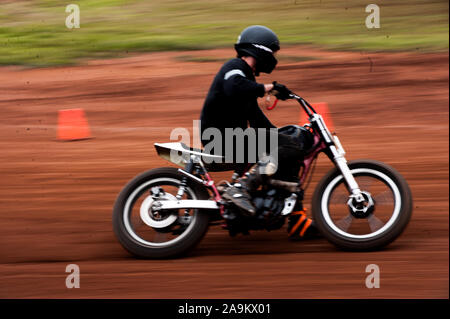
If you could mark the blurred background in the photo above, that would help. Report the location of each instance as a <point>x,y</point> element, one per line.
<point>33,32</point>
<point>139,69</point>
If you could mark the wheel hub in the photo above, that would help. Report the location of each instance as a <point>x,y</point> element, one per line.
<point>361,209</point>
<point>157,218</point>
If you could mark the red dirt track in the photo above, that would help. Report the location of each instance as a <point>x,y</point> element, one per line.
<point>56,197</point>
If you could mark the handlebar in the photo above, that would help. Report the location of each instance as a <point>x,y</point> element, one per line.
<point>305,105</point>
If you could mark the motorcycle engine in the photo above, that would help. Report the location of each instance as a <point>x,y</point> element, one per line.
<point>269,204</point>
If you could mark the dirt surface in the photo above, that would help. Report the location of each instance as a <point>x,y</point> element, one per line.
<point>57,197</point>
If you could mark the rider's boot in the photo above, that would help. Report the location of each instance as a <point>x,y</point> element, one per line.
<point>300,226</point>
<point>239,193</point>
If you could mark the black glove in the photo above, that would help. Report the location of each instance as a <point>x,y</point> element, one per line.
<point>280,91</point>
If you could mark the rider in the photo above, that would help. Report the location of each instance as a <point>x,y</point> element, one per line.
<point>232,103</point>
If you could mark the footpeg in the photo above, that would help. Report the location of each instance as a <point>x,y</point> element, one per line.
<point>289,204</point>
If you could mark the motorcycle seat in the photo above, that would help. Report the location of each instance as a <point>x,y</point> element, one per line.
<point>177,153</point>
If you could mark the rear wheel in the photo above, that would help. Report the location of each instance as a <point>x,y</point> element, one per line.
<point>148,233</point>
<point>367,225</point>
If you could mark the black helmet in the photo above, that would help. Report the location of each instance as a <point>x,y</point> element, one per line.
<point>261,43</point>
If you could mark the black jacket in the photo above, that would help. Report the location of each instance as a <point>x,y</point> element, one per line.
<point>232,99</point>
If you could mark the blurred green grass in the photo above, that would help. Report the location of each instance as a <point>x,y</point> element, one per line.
<point>33,33</point>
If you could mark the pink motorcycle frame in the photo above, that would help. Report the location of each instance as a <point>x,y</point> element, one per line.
<point>319,146</point>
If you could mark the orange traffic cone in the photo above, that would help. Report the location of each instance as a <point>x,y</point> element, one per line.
<point>322,109</point>
<point>72,125</point>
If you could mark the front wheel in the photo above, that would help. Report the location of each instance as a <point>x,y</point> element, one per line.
<point>372,224</point>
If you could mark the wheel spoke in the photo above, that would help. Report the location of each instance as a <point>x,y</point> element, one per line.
<point>365,183</point>
<point>345,223</point>
<point>374,223</point>
<point>384,198</point>
<point>339,198</point>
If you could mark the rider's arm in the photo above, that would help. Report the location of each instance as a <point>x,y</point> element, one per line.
<point>236,85</point>
<point>258,119</point>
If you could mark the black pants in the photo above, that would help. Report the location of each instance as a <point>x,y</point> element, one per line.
<point>289,155</point>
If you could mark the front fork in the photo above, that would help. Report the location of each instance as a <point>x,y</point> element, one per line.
<point>337,154</point>
<point>360,202</point>
<point>341,163</point>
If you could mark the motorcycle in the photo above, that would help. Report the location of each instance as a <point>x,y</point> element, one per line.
<point>359,205</point>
